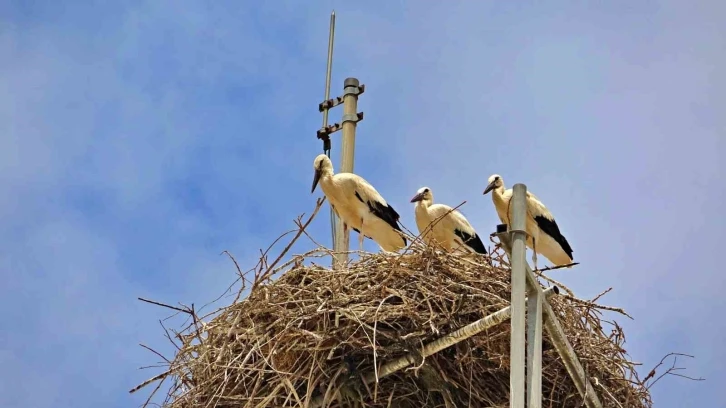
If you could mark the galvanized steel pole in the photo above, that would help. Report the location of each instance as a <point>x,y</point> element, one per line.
<point>347,154</point>
<point>519,284</point>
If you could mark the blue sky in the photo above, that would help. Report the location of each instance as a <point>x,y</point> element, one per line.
<point>139,140</point>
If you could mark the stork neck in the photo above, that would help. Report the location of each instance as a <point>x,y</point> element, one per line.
<point>421,210</point>
<point>423,204</point>
<point>326,178</point>
<point>326,172</point>
<point>498,194</point>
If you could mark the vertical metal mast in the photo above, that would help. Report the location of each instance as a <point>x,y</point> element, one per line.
<point>326,143</point>
<point>352,89</point>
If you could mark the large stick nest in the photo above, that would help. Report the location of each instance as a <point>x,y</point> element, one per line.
<point>314,334</point>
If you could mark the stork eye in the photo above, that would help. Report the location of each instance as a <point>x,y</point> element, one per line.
<point>426,190</point>
<point>496,178</point>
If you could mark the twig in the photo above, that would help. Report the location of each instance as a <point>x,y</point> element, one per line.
<point>168,336</point>
<point>155,352</point>
<point>587,303</point>
<point>149,381</point>
<point>165,305</point>
<point>266,275</point>
<point>601,294</point>
<point>670,371</point>
<point>552,268</point>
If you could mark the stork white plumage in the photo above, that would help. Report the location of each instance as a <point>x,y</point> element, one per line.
<point>544,235</point>
<point>451,229</point>
<point>359,206</point>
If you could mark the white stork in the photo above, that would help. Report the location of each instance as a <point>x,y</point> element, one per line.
<point>543,234</point>
<point>359,206</point>
<point>451,229</point>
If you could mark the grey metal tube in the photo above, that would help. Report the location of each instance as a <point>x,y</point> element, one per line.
<point>519,287</point>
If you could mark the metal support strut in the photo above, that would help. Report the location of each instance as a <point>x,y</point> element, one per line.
<point>539,314</point>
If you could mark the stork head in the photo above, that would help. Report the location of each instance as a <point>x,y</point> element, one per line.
<point>322,164</point>
<point>423,194</point>
<point>495,181</point>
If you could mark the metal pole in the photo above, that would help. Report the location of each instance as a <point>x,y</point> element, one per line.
<point>347,153</point>
<point>331,37</point>
<point>534,348</point>
<point>519,283</point>
<point>557,336</point>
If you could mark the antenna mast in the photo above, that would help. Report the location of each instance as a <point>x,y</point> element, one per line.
<point>326,141</point>
<point>352,89</point>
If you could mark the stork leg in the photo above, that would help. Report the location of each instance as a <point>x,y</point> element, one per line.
<point>534,253</point>
<point>361,237</point>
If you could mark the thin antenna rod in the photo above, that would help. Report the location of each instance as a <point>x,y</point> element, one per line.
<point>331,38</point>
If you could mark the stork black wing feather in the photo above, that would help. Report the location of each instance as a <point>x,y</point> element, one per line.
<point>356,230</point>
<point>384,212</point>
<point>474,242</point>
<point>550,228</point>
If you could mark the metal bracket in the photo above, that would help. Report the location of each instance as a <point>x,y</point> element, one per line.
<point>353,118</point>
<point>504,228</point>
<point>348,90</point>
<point>324,133</point>
<point>329,104</point>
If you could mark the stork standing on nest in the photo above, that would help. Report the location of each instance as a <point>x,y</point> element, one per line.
<point>359,206</point>
<point>450,229</point>
<point>543,234</point>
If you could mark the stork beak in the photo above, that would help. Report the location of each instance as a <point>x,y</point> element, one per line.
<point>417,197</point>
<point>316,178</point>
<point>489,188</point>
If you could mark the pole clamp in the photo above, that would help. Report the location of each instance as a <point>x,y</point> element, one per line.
<point>354,90</point>
<point>333,102</point>
<point>350,117</point>
<point>504,229</point>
